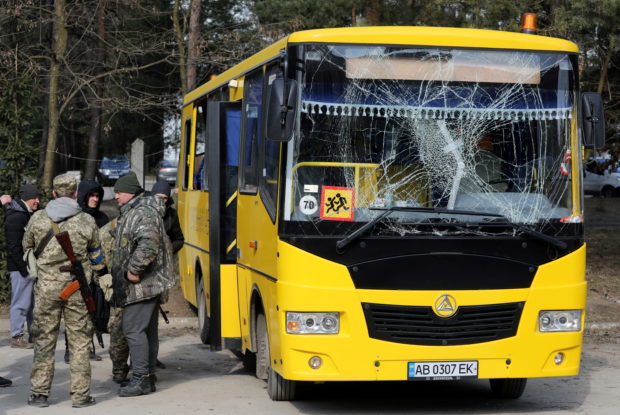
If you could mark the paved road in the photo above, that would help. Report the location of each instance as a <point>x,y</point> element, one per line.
<point>199,381</point>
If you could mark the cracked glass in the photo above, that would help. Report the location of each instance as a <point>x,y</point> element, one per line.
<point>434,136</point>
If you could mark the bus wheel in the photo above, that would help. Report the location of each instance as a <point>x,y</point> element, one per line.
<point>508,388</point>
<point>280,389</point>
<point>204,323</point>
<point>262,348</point>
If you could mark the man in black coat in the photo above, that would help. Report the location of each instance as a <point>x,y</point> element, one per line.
<point>173,230</point>
<point>90,196</point>
<point>171,218</point>
<point>17,215</point>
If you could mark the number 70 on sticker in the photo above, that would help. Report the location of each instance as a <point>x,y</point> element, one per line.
<point>308,205</point>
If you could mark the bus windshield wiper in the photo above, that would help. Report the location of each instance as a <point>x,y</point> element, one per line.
<point>386,211</point>
<point>537,234</point>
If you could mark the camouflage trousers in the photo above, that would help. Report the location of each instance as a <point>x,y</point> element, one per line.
<point>49,309</point>
<point>119,349</point>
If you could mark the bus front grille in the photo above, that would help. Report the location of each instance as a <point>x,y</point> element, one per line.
<point>420,325</point>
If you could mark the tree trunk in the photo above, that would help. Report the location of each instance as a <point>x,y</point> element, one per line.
<point>178,33</point>
<point>95,112</point>
<point>59,47</point>
<point>45,130</point>
<point>192,45</point>
<point>605,65</point>
<point>373,12</point>
<point>48,35</point>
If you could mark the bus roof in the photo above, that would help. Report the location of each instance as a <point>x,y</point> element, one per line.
<point>434,36</point>
<point>395,35</point>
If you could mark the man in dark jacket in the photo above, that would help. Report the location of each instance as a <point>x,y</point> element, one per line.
<point>18,213</point>
<point>173,229</point>
<point>90,196</point>
<point>171,217</point>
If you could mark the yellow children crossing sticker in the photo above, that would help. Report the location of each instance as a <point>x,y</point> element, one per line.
<point>337,203</point>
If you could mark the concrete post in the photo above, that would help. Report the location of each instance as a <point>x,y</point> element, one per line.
<point>137,159</point>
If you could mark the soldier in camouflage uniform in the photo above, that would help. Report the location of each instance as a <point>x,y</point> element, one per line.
<point>141,272</point>
<point>118,348</point>
<point>49,308</point>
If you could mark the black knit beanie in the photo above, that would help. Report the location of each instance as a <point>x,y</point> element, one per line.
<point>27,192</point>
<point>162,188</point>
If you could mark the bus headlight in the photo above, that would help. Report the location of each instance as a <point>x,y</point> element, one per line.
<point>559,320</point>
<point>312,323</point>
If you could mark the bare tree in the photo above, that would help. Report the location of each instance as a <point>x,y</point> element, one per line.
<point>179,31</point>
<point>193,42</point>
<point>97,89</point>
<point>59,47</point>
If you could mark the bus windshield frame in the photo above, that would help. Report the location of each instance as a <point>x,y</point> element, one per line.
<point>430,130</point>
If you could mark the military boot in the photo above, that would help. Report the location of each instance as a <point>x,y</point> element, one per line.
<point>138,385</point>
<point>90,401</point>
<point>38,400</point>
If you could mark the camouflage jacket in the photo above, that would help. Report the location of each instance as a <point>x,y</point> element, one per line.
<point>106,234</point>
<point>82,230</point>
<point>141,247</point>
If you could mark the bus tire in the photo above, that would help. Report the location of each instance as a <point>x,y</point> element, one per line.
<point>263,360</point>
<point>508,388</point>
<point>280,389</point>
<point>204,323</point>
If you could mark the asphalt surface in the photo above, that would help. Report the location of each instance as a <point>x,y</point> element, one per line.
<point>197,380</point>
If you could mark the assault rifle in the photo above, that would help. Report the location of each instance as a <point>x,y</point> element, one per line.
<point>79,283</point>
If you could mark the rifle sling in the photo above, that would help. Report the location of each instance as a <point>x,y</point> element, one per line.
<point>43,243</point>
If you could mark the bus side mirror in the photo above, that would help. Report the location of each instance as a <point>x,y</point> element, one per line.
<point>592,120</point>
<point>281,114</point>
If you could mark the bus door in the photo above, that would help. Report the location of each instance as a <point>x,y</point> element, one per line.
<point>223,123</point>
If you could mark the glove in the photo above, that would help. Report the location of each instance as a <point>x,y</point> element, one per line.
<point>105,282</point>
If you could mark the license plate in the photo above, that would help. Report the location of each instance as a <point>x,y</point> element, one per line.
<point>442,370</point>
<point>113,176</point>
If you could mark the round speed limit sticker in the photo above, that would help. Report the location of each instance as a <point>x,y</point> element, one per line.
<point>308,205</point>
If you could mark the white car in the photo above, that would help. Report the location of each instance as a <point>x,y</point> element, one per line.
<point>604,185</point>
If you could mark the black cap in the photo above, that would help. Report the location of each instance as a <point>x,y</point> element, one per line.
<point>161,188</point>
<point>28,191</point>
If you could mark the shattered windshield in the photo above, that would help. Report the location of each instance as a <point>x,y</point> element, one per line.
<point>423,132</point>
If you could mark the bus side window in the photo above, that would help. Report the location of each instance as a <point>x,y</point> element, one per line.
<point>270,158</point>
<point>252,133</point>
<point>200,156</point>
<point>186,152</point>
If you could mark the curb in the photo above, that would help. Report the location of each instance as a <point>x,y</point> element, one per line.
<point>602,326</point>
<point>175,323</point>
<point>179,323</point>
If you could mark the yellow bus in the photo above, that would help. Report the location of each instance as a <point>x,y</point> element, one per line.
<point>390,203</point>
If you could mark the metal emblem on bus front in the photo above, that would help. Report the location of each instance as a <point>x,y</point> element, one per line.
<point>445,306</point>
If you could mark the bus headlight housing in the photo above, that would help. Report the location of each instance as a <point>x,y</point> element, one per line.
<point>559,320</point>
<point>312,323</point>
